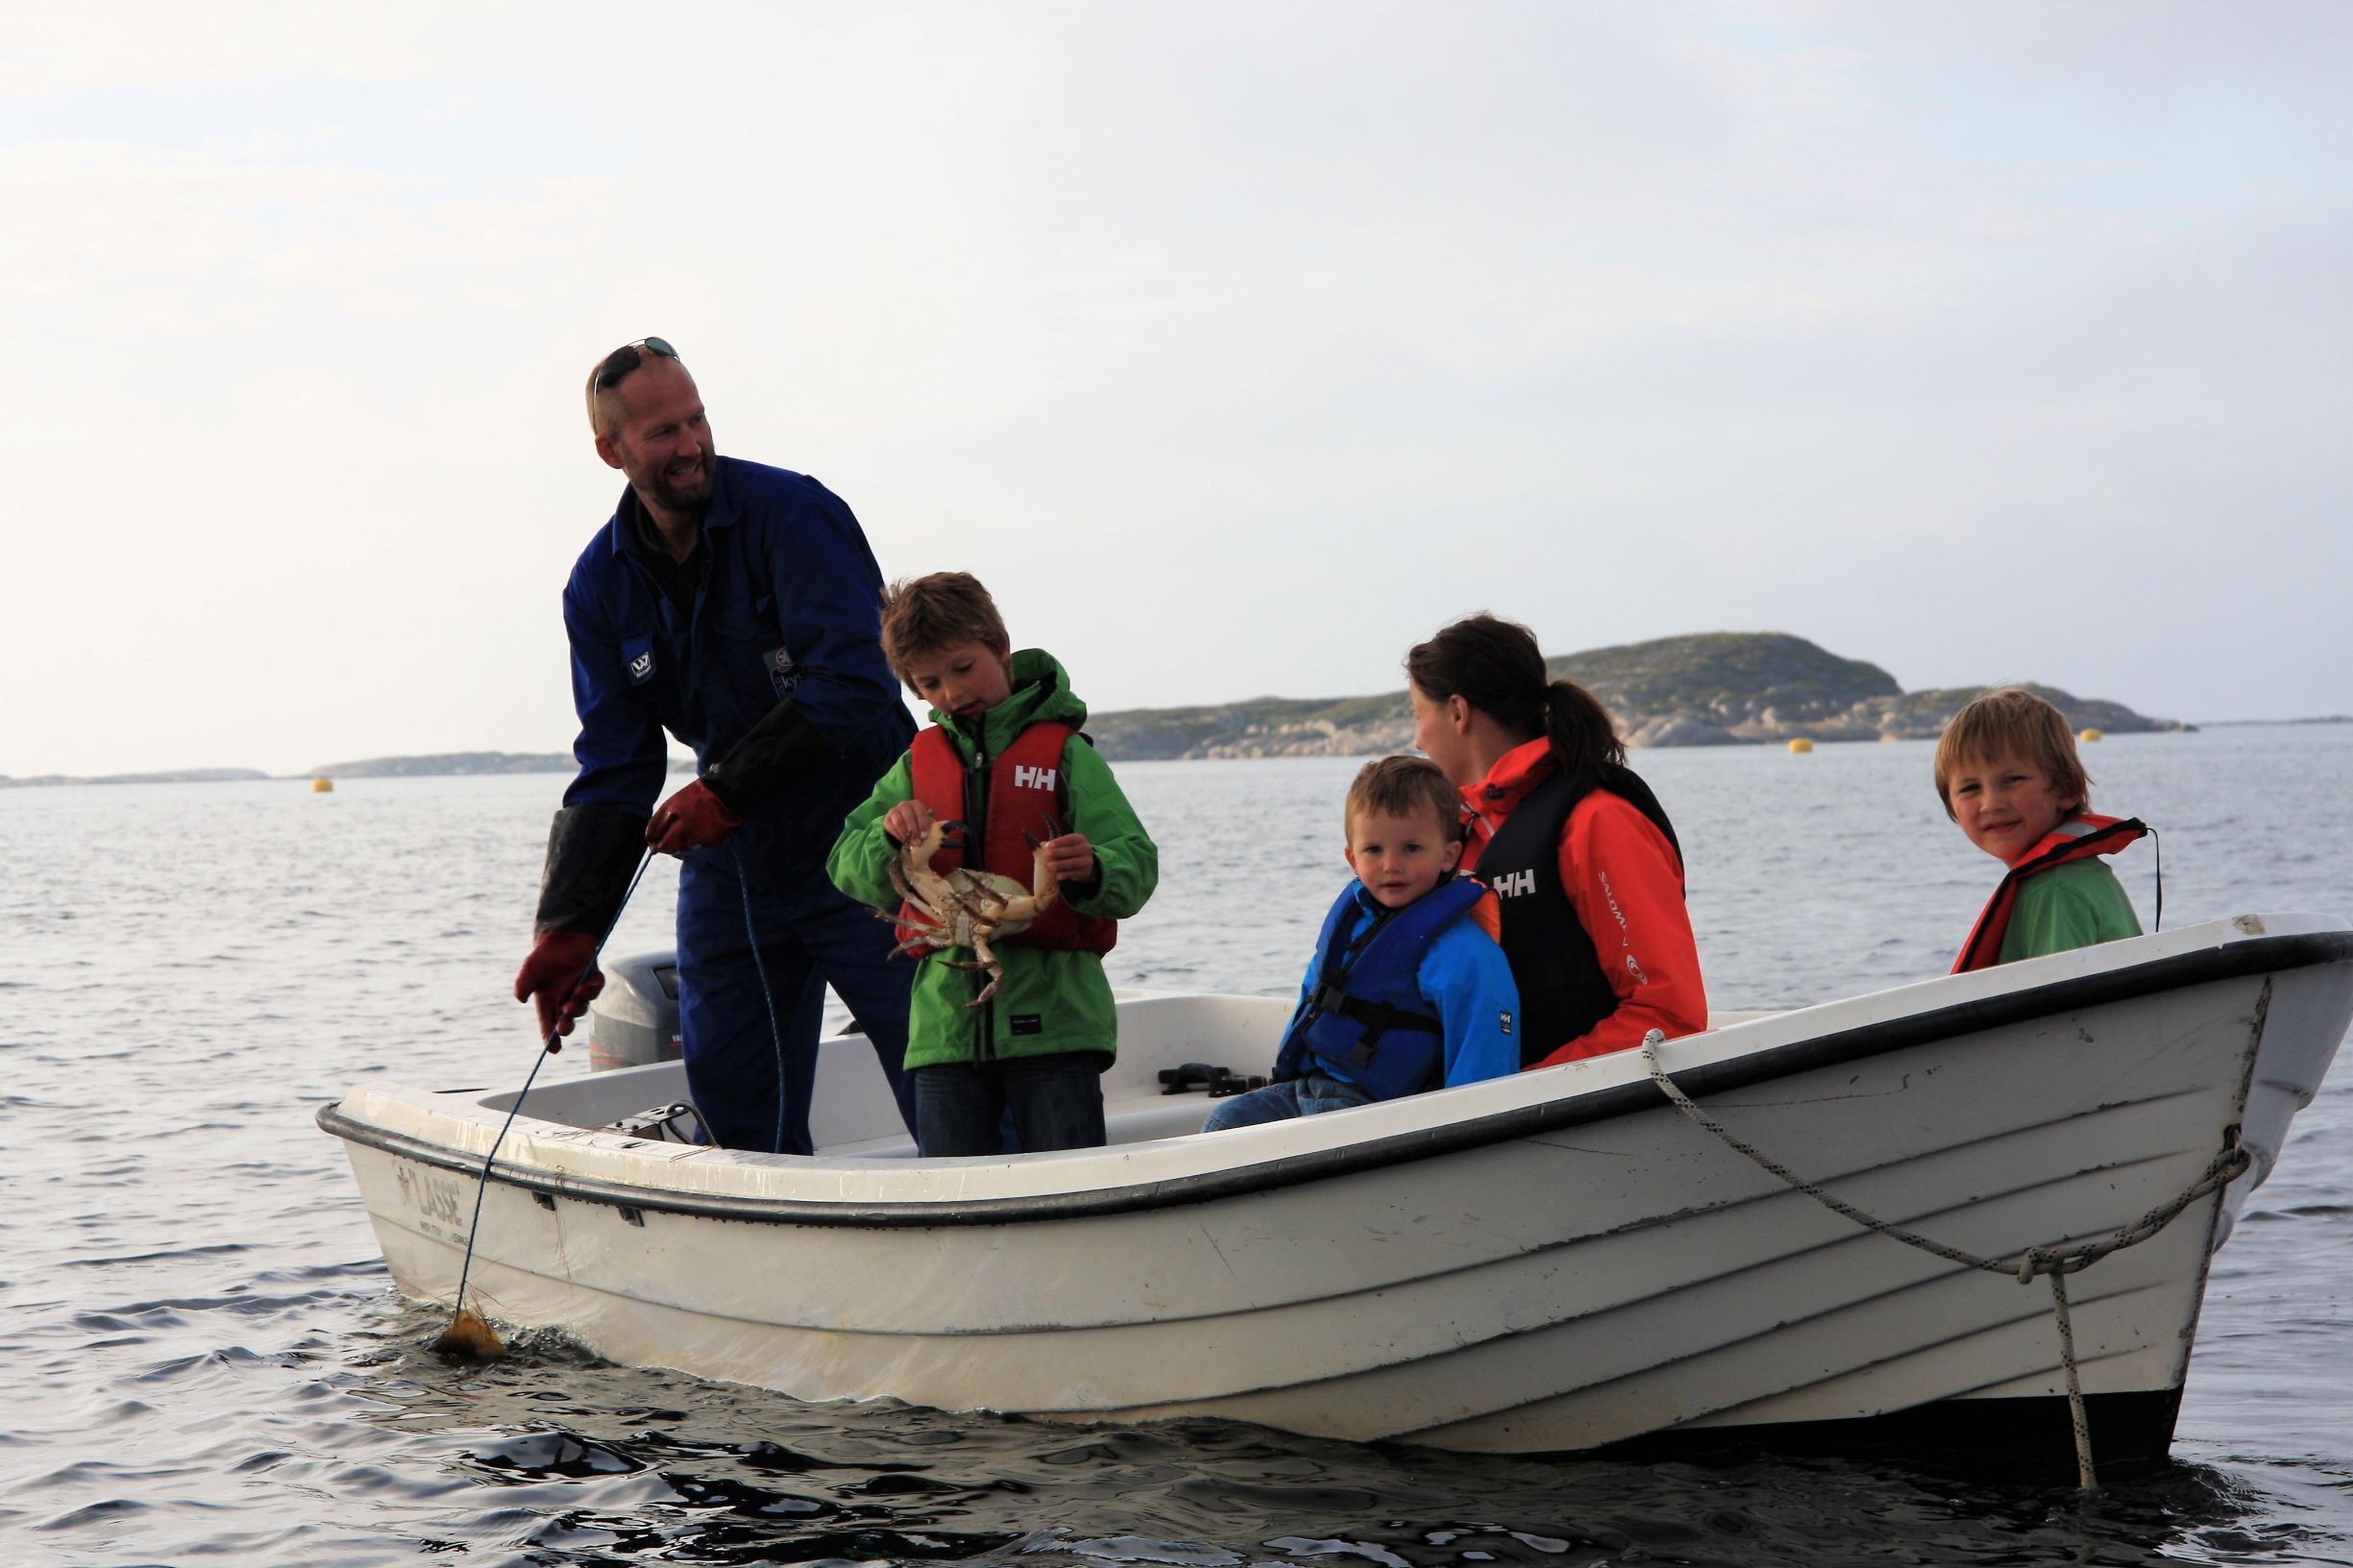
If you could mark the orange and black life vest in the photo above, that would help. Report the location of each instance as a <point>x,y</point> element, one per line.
<point>1020,791</point>
<point>2078,838</point>
<point>1564,991</point>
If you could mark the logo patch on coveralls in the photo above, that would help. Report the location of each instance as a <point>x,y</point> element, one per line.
<point>1028,1023</point>
<point>1505,1016</point>
<point>780,671</point>
<point>637,654</point>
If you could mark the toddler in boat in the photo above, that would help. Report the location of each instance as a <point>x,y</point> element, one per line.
<point>2008,772</point>
<point>1408,989</point>
<point>1009,852</point>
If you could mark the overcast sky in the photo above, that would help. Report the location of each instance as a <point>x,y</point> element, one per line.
<point>1237,347</point>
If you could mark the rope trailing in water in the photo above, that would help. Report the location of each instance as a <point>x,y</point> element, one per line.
<point>476,1338</point>
<point>2057,1261</point>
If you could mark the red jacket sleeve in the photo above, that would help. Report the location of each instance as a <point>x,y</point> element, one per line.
<point>1626,882</point>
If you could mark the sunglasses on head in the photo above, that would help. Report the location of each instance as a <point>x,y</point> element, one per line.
<point>626,358</point>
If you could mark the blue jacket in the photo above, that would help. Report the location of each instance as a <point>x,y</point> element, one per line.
<point>1462,978</point>
<point>790,609</point>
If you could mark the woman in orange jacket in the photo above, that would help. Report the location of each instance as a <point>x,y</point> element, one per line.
<point>1575,845</point>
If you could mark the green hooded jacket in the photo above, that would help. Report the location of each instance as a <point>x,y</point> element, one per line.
<point>1064,991</point>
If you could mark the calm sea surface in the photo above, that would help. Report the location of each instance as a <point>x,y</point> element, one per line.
<point>201,1359</point>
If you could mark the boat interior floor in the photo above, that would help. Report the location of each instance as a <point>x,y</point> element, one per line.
<point>1135,1119</point>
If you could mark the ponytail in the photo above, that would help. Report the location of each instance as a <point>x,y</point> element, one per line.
<point>1496,667</point>
<point>1581,730</point>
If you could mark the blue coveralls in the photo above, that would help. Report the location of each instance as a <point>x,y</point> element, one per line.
<point>790,608</point>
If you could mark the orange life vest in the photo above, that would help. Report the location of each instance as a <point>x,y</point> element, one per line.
<point>2078,838</point>
<point>1020,791</point>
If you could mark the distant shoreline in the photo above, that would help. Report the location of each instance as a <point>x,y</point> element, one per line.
<point>429,765</point>
<point>377,766</point>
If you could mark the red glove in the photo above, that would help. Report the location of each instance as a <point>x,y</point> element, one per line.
<point>554,964</point>
<point>693,818</point>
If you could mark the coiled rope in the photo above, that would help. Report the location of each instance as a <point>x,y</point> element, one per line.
<point>2057,1261</point>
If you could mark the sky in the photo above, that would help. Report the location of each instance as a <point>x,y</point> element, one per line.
<point>1237,347</point>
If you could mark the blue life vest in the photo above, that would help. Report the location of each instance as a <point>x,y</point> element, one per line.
<point>1366,1020</point>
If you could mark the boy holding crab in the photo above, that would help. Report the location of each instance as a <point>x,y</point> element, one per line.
<point>1011,1012</point>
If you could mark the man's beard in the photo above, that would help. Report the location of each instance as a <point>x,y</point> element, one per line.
<point>673,497</point>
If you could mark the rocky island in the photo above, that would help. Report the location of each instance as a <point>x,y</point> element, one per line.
<point>1720,688</point>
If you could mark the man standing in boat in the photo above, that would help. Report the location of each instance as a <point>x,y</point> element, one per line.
<point>738,607</point>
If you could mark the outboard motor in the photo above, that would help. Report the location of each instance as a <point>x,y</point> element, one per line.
<point>634,1020</point>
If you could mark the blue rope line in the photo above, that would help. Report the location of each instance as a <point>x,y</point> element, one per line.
<point>768,995</point>
<point>547,1048</point>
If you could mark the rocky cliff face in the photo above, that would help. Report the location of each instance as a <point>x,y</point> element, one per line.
<point>1714,689</point>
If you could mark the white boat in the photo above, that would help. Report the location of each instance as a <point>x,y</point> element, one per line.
<point>1556,1261</point>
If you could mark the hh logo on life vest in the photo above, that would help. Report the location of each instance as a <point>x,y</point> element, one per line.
<point>1513,883</point>
<point>1025,778</point>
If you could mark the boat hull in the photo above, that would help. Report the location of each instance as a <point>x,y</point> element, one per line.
<point>1560,1261</point>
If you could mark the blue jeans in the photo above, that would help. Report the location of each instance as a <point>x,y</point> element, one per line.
<point>1309,1096</point>
<point>1056,1102</point>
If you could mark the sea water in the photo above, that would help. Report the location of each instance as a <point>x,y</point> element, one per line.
<point>204,1361</point>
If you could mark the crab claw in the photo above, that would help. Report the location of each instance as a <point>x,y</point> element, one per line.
<point>952,833</point>
<point>1053,828</point>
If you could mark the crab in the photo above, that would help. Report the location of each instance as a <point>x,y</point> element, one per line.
<point>965,908</point>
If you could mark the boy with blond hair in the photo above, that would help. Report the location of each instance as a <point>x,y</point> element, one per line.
<point>2007,772</point>
<point>1409,989</point>
<point>1009,782</point>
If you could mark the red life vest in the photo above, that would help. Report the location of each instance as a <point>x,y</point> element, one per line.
<point>1012,795</point>
<point>2078,838</point>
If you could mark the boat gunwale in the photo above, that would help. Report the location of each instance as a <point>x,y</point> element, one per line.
<point>2229,960</point>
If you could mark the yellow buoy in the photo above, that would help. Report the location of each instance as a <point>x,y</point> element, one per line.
<point>2087,735</point>
<point>322,786</point>
<point>1800,744</point>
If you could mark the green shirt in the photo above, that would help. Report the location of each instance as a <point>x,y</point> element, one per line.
<point>2073,905</point>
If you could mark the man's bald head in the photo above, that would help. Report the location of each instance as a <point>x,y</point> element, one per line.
<point>650,425</point>
<point>605,400</point>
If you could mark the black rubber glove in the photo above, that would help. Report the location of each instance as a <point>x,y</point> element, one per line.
<point>781,748</point>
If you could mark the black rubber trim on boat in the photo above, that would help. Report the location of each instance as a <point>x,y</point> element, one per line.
<point>2231,961</point>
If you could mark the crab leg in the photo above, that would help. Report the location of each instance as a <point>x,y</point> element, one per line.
<point>1045,890</point>
<point>988,960</point>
